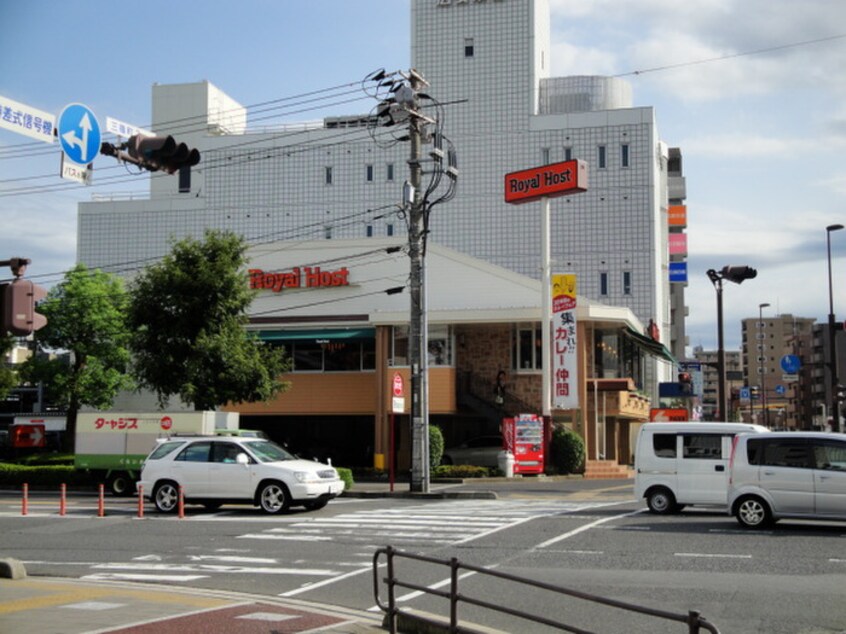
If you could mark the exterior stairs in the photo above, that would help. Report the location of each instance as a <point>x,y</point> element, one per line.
<point>607,470</point>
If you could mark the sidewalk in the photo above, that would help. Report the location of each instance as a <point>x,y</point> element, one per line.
<point>64,606</point>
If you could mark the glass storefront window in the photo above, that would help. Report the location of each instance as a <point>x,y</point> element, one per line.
<point>327,355</point>
<point>526,349</point>
<point>307,356</point>
<point>440,346</point>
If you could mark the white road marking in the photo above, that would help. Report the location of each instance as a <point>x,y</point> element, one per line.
<point>319,584</point>
<point>318,572</point>
<point>713,555</point>
<point>587,527</point>
<point>113,576</point>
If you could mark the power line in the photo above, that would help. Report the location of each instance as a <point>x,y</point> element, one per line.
<point>731,56</point>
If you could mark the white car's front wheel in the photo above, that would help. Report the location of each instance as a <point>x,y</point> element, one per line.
<point>274,498</point>
<point>166,497</point>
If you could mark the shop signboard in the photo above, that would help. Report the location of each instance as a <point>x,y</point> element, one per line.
<point>523,437</point>
<point>565,394</point>
<point>547,181</point>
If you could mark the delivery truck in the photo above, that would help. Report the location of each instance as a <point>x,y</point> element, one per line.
<point>112,445</point>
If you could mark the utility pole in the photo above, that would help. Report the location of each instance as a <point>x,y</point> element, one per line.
<point>418,325</point>
<point>403,106</point>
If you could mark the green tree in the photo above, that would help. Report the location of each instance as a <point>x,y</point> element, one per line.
<point>82,355</point>
<point>188,315</point>
<point>8,377</point>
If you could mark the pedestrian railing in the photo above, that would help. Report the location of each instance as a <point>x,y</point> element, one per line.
<point>694,621</point>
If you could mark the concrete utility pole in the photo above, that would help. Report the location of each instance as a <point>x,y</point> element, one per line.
<point>403,106</point>
<point>418,325</point>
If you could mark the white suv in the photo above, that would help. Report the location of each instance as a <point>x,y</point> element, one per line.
<point>213,471</point>
<point>787,474</point>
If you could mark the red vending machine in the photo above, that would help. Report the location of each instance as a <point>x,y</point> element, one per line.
<point>523,437</point>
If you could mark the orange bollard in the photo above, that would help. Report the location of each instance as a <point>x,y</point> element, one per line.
<point>181,504</point>
<point>140,501</point>
<point>25,500</point>
<point>63,499</point>
<point>101,502</point>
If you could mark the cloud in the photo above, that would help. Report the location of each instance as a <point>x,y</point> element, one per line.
<point>757,43</point>
<point>728,146</point>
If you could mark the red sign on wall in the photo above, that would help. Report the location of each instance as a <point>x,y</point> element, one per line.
<point>548,181</point>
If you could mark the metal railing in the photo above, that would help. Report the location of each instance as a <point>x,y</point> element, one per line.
<point>695,623</point>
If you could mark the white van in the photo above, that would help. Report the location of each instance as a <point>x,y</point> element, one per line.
<point>683,463</point>
<point>787,474</point>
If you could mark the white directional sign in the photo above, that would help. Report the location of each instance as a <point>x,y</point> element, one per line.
<point>74,171</point>
<point>79,133</point>
<point>27,120</point>
<point>119,128</point>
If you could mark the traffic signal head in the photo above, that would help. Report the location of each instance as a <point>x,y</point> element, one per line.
<point>737,274</point>
<point>19,300</point>
<point>161,153</point>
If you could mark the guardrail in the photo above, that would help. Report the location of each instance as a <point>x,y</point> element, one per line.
<point>694,621</point>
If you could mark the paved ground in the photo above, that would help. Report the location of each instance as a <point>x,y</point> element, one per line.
<point>62,606</point>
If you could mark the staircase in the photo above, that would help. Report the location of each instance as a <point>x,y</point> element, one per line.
<point>606,470</point>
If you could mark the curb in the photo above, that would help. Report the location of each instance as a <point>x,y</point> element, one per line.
<point>435,495</point>
<point>12,569</point>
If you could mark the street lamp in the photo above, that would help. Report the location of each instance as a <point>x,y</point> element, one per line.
<point>734,274</point>
<point>832,355</point>
<point>761,366</point>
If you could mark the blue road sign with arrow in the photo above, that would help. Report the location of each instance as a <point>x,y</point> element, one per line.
<point>79,133</point>
<point>790,363</point>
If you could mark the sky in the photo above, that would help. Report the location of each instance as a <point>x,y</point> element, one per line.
<point>752,91</point>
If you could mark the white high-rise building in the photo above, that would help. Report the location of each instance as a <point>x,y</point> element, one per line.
<point>488,64</point>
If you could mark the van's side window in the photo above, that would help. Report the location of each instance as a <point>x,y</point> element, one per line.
<point>786,452</point>
<point>707,446</point>
<point>754,451</point>
<point>830,454</point>
<point>664,445</point>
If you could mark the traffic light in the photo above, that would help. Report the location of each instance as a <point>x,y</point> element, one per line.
<point>737,274</point>
<point>685,384</point>
<point>19,300</point>
<point>161,153</point>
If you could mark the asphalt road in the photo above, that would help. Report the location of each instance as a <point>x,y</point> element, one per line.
<point>589,536</point>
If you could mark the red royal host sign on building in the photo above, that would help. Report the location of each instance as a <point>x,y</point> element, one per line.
<point>547,181</point>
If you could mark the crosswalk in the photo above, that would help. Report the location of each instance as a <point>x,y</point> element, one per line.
<point>435,524</point>
<point>432,524</point>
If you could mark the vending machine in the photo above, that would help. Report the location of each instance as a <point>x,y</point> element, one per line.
<point>523,437</point>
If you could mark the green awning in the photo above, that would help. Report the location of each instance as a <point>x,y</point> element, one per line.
<point>649,345</point>
<point>314,335</point>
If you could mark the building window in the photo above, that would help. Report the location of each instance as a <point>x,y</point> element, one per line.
<point>369,171</point>
<point>627,282</point>
<point>369,231</point>
<point>399,346</point>
<point>327,171</point>
<point>439,345</point>
<point>390,172</point>
<point>601,156</point>
<point>469,47</point>
<point>329,355</point>
<point>624,155</point>
<point>526,350</point>
<point>603,284</point>
<point>568,154</point>
<point>390,230</point>
<point>545,156</point>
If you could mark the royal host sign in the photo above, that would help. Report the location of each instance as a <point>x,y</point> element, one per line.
<point>548,181</point>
